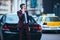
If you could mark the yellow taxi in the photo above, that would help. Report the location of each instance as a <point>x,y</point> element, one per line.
<point>49,22</point>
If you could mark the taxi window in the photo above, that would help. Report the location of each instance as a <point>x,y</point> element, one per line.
<point>52,19</point>
<point>47,19</point>
<point>55,19</point>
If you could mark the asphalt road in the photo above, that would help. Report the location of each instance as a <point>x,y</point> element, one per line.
<point>50,37</point>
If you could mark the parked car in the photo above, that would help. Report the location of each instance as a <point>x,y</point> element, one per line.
<point>1,15</point>
<point>34,16</point>
<point>51,23</point>
<point>10,31</point>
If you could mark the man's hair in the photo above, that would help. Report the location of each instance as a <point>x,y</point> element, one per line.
<point>21,5</point>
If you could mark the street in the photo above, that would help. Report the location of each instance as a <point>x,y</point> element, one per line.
<point>50,37</point>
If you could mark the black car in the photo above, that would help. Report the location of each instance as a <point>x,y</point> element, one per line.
<point>1,15</point>
<point>10,31</point>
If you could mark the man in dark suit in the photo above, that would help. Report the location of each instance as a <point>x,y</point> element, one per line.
<point>23,22</point>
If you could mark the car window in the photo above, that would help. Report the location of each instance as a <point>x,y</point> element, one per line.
<point>1,16</point>
<point>47,19</point>
<point>31,20</point>
<point>40,19</point>
<point>11,18</point>
<point>55,19</point>
<point>3,19</point>
<point>52,19</point>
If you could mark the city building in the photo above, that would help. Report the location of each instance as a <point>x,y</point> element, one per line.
<point>12,6</point>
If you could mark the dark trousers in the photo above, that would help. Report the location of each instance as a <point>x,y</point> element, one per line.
<point>26,29</point>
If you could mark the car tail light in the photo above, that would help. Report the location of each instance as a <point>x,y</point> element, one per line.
<point>38,28</point>
<point>5,28</point>
<point>44,23</point>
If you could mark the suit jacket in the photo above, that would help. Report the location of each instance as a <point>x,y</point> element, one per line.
<point>21,18</point>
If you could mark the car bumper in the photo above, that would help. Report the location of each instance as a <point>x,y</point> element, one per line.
<point>51,28</point>
<point>12,35</point>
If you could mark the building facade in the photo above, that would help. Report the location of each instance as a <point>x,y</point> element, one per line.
<point>12,6</point>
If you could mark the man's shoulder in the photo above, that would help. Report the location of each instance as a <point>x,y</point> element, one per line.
<point>19,11</point>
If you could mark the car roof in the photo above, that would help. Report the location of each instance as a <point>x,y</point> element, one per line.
<point>48,16</point>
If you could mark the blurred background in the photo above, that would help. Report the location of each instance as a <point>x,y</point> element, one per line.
<point>11,6</point>
<point>46,13</point>
<point>36,7</point>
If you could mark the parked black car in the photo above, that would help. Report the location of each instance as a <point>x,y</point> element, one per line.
<point>10,31</point>
<point>1,15</point>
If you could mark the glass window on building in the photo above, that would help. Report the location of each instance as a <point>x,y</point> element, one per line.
<point>5,6</point>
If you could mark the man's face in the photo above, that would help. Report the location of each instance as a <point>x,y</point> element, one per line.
<point>24,6</point>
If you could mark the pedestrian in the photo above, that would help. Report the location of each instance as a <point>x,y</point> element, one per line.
<point>23,22</point>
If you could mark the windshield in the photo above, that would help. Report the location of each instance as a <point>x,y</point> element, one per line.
<point>52,19</point>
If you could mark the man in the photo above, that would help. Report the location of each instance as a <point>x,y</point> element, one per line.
<point>23,22</point>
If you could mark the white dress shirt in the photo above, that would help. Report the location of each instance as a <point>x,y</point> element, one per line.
<point>25,17</point>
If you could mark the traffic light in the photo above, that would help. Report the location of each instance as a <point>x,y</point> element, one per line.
<point>33,3</point>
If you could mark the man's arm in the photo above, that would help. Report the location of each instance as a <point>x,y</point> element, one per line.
<point>20,15</point>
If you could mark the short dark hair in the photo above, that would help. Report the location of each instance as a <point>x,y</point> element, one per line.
<point>21,5</point>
